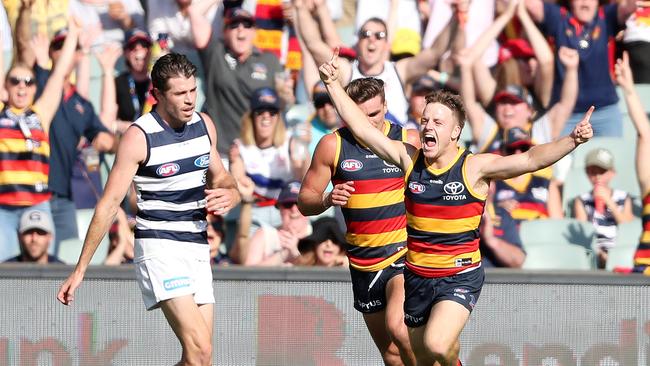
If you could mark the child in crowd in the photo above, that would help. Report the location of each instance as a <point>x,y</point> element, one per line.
<point>606,207</point>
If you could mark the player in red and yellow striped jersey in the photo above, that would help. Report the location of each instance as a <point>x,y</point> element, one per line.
<point>445,195</point>
<point>370,192</point>
<point>642,126</point>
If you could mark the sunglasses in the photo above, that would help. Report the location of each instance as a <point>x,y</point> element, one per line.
<point>272,112</point>
<point>15,81</point>
<point>131,46</point>
<point>287,205</point>
<point>246,23</point>
<point>367,34</point>
<point>322,103</point>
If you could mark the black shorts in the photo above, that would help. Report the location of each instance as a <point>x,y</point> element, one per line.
<point>369,288</point>
<point>422,293</point>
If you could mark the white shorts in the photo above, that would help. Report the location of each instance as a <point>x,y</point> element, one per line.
<point>175,272</point>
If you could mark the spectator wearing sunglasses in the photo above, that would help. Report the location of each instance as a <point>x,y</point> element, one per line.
<point>264,154</point>
<point>74,119</point>
<point>529,196</point>
<point>325,119</point>
<point>25,143</point>
<point>133,86</point>
<point>234,69</point>
<point>373,52</point>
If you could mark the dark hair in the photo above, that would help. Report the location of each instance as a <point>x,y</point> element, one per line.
<point>375,20</point>
<point>362,90</point>
<point>170,66</point>
<point>451,101</point>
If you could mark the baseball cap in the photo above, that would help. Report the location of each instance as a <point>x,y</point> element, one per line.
<point>265,98</point>
<point>517,48</point>
<point>289,193</point>
<point>323,229</point>
<point>516,137</point>
<point>35,219</point>
<point>513,93</point>
<point>406,42</point>
<point>237,13</point>
<point>601,158</point>
<point>425,84</point>
<point>319,95</point>
<point>58,38</point>
<point>134,35</point>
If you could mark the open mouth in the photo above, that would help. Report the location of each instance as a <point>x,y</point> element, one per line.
<point>429,140</point>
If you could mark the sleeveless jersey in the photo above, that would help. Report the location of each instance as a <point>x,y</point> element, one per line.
<point>170,183</point>
<point>269,168</point>
<point>374,215</point>
<point>395,95</point>
<point>532,194</point>
<point>642,255</point>
<point>604,223</point>
<point>24,159</point>
<point>443,216</point>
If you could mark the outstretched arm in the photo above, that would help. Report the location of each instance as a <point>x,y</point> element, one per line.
<point>199,24</point>
<point>389,150</point>
<point>490,166</point>
<point>130,153</point>
<point>639,119</point>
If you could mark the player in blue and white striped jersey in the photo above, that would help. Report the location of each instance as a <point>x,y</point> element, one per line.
<point>170,155</point>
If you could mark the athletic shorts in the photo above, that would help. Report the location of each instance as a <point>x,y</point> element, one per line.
<point>422,293</point>
<point>175,273</point>
<point>369,288</point>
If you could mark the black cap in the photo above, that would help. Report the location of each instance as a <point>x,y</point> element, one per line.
<point>137,35</point>
<point>425,84</point>
<point>237,13</point>
<point>320,96</point>
<point>265,98</point>
<point>516,137</point>
<point>323,229</point>
<point>513,93</point>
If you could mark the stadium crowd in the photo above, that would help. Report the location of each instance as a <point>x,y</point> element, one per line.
<point>74,75</point>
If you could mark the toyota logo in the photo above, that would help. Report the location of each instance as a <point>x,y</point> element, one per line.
<point>454,188</point>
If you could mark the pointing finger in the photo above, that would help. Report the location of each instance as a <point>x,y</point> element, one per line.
<point>335,55</point>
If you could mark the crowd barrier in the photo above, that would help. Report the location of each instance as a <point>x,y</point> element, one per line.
<point>305,317</point>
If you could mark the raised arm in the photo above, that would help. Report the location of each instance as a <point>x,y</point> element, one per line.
<point>199,24</point>
<point>544,76</point>
<point>535,9</point>
<point>48,103</point>
<point>131,152</point>
<point>560,111</point>
<point>639,119</point>
<point>625,9</point>
<point>475,112</point>
<point>23,32</point>
<point>327,26</point>
<point>387,149</point>
<point>490,166</point>
<point>107,59</point>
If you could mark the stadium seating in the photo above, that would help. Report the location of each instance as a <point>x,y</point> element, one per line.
<point>83,222</point>
<point>557,232</point>
<point>558,256</point>
<point>69,250</point>
<point>620,256</point>
<point>629,233</point>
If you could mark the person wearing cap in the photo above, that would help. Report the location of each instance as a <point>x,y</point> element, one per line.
<point>325,120</point>
<point>325,246</point>
<point>133,85</point>
<point>513,107</point>
<point>170,155</point>
<point>530,196</point>
<point>604,206</point>
<point>444,192</point>
<point>373,53</point>
<point>234,68</point>
<point>75,118</point>
<point>264,153</point>
<point>368,192</point>
<point>587,26</point>
<point>277,245</point>
<point>26,142</point>
<point>424,86</point>
<point>641,123</point>
<point>35,236</point>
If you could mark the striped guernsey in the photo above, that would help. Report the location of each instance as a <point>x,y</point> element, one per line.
<point>642,255</point>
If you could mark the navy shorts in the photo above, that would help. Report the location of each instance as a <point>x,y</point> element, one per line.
<point>369,288</point>
<point>422,293</point>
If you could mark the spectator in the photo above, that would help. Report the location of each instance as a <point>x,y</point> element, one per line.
<point>421,88</point>
<point>173,18</point>
<point>500,243</point>
<point>278,246</point>
<point>74,118</point>
<point>325,120</point>
<point>234,69</point>
<point>324,247</point>
<point>109,19</point>
<point>514,107</point>
<point>265,154</point>
<point>588,28</point>
<point>35,236</point>
<point>637,43</point>
<point>529,196</point>
<point>25,144</point>
<point>44,17</point>
<point>216,234</point>
<point>604,206</point>
<point>121,240</point>
<point>373,51</point>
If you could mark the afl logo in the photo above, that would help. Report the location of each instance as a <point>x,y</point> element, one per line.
<point>168,169</point>
<point>202,161</point>
<point>416,188</point>
<point>454,188</point>
<point>351,165</point>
